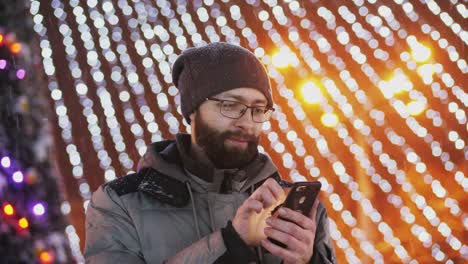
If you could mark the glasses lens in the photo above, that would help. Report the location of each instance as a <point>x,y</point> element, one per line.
<point>232,109</point>
<point>261,114</point>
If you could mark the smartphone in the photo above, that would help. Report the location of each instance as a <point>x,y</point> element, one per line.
<point>301,198</point>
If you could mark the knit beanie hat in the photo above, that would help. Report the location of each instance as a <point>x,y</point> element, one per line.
<point>206,71</point>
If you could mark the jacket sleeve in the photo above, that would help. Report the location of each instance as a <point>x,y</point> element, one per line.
<point>206,250</point>
<point>111,236</point>
<point>222,246</point>
<point>323,243</point>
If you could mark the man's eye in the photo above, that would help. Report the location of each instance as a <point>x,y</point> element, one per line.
<point>231,106</point>
<point>259,111</point>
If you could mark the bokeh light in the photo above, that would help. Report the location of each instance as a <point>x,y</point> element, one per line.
<point>46,257</point>
<point>311,93</point>
<point>5,162</point>
<point>3,64</point>
<point>370,100</point>
<point>18,177</point>
<point>15,48</point>
<point>284,58</point>
<point>420,53</point>
<point>415,108</point>
<point>23,223</point>
<point>8,209</point>
<point>329,120</point>
<point>38,209</point>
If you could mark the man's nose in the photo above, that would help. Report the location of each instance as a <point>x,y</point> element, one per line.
<point>246,120</point>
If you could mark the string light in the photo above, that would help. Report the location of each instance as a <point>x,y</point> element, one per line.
<point>366,104</point>
<point>3,64</point>
<point>8,210</point>
<point>5,161</point>
<point>321,145</point>
<point>20,74</point>
<point>38,209</point>
<point>46,257</point>
<point>311,93</point>
<point>64,121</point>
<point>18,177</point>
<point>15,48</point>
<point>23,223</point>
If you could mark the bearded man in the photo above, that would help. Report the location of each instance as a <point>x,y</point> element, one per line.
<point>207,196</point>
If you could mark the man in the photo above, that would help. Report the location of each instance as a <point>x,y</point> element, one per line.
<point>207,197</point>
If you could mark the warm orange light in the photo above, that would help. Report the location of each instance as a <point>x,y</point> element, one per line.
<point>1,39</point>
<point>397,84</point>
<point>415,108</point>
<point>8,209</point>
<point>23,223</point>
<point>311,93</point>
<point>15,48</point>
<point>420,53</point>
<point>46,257</point>
<point>280,60</point>
<point>284,58</point>
<point>329,120</point>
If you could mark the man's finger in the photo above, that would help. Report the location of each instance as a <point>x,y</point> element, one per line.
<point>290,228</point>
<point>269,193</point>
<point>313,211</point>
<point>275,188</point>
<point>272,186</point>
<point>252,205</point>
<point>283,253</point>
<point>298,218</point>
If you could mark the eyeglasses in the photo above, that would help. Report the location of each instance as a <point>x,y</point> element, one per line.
<point>235,110</point>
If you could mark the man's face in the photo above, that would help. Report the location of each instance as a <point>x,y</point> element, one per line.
<point>228,143</point>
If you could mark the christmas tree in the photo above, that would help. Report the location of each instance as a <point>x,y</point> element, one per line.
<point>32,225</point>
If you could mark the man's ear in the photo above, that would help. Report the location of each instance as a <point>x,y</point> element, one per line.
<point>192,117</point>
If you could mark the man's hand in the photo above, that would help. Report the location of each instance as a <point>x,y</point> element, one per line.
<point>249,220</point>
<point>298,235</point>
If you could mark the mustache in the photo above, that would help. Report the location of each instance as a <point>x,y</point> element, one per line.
<point>240,135</point>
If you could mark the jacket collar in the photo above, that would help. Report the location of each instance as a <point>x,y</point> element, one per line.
<point>202,169</point>
<point>172,158</point>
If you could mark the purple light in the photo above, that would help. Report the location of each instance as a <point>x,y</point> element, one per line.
<point>6,163</point>
<point>20,74</point>
<point>39,209</point>
<point>3,64</point>
<point>18,177</point>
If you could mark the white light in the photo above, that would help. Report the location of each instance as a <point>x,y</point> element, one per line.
<point>412,157</point>
<point>312,93</point>
<point>339,168</point>
<point>65,208</point>
<point>421,167</point>
<point>329,120</point>
<point>18,176</point>
<point>109,175</point>
<point>38,209</point>
<point>6,163</point>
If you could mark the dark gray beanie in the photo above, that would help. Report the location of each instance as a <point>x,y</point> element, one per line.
<point>206,71</point>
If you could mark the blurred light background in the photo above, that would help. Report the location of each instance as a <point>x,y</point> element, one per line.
<point>370,95</point>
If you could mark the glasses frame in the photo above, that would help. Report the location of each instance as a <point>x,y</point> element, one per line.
<point>244,111</point>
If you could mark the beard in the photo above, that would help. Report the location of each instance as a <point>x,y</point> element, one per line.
<point>213,143</point>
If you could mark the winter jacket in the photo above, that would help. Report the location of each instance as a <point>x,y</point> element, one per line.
<point>166,214</point>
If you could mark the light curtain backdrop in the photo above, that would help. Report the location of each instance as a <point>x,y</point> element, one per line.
<point>370,95</point>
